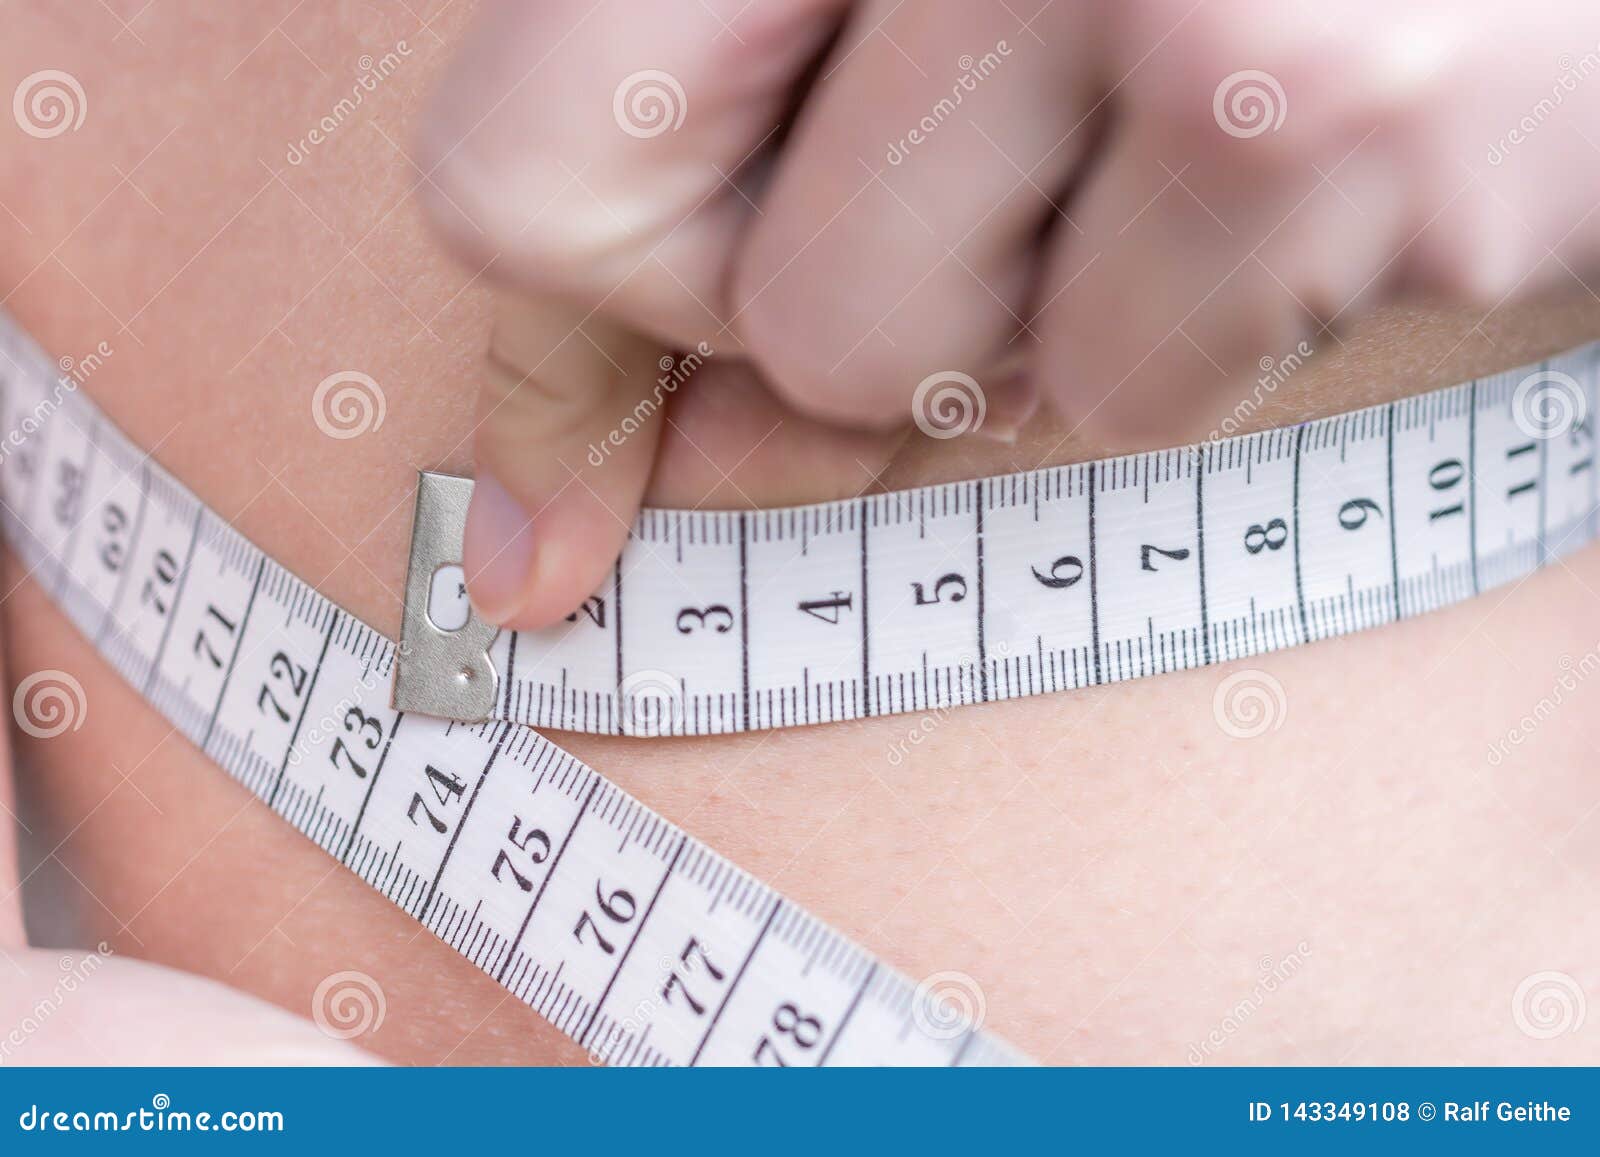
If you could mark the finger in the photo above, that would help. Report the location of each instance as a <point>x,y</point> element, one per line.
<point>731,444</point>
<point>1140,346</point>
<point>568,422</point>
<point>595,151</point>
<point>1204,255</point>
<point>904,214</point>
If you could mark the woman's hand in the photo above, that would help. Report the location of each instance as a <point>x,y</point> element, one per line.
<point>1122,205</point>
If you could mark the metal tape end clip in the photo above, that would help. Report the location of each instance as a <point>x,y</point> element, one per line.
<point>442,667</point>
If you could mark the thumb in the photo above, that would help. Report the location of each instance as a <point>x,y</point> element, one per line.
<point>569,419</point>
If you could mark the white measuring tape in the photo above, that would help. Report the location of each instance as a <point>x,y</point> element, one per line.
<point>619,928</point>
<point>623,931</point>
<point>1026,584</point>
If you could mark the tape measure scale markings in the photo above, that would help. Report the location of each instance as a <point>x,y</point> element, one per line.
<point>623,931</point>
<point>619,928</point>
<point>1027,584</point>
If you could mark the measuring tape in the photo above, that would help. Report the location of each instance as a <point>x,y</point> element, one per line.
<point>627,934</point>
<point>1068,577</point>
<point>619,928</point>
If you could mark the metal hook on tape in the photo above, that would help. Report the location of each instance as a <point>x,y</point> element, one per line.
<point>443,666</point>
<point>404,820</point>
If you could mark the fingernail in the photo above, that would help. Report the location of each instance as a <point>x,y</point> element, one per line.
<point>497,551</point>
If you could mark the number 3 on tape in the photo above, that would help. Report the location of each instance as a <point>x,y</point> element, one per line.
<point>626,933</point>
<point>1034,583</point>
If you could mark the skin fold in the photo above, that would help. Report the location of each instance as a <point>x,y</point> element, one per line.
<point>1124,881</point>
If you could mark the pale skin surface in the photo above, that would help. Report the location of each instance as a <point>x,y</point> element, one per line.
<point>1109,865</point>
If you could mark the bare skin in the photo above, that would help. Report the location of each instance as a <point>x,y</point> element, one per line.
<point>1109,865</point>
